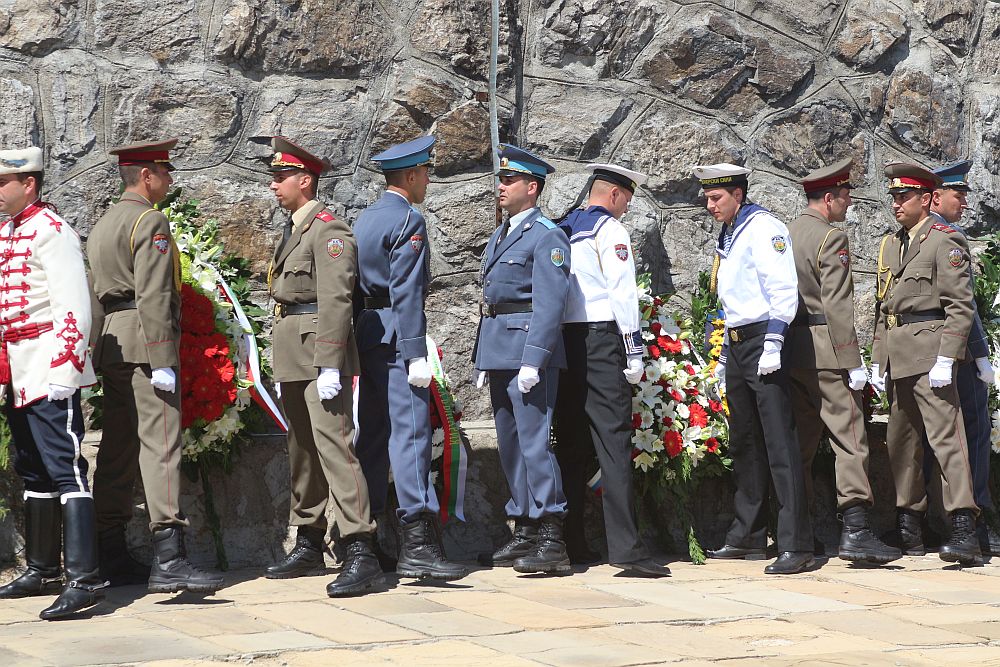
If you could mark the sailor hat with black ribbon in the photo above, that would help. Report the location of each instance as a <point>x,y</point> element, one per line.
<point>618,175</point>
<point>722,175</point>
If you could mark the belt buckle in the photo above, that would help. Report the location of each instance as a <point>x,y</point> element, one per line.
<point>891,321</point>
<point>279,310</point>
<point>487,310</point>
<point>734,335</point>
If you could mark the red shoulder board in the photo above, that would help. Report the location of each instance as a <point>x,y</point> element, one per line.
<point>324,216</point>
<point>943,228</point>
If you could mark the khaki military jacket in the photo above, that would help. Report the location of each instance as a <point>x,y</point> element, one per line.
<point>826,289</point>
<point>932,275</point>
<point>317,264</point>
<point>132,256</point>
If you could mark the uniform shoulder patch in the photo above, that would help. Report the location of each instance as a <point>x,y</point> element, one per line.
<point>162,243</point>
<point>943,228</point>
<point>621,250</point>
<point>956,257</point>
<point>844,257</point>
<point>335,247</point>
<point>548,224</point>
<point>417,242</point>
<point>325,216</point>
<point>779,243</point>
<point>558,256</point>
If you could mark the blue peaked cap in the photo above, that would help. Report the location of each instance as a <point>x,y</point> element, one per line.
<point>514,160</point>
<point>403,156</point>
<point>955,176</point>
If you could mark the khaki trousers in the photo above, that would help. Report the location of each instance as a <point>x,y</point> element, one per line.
<point>822,398</point>
<point>322,460</point>
<point>916,407</point>
<point>142,425</point>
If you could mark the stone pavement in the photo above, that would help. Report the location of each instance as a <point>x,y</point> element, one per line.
<point>917,613</point>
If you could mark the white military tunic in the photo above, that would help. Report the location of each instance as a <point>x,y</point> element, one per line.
<point>602,285</point>
<point>44,304</point>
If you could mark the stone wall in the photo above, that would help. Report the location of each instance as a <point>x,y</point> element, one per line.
<point>783,85</point>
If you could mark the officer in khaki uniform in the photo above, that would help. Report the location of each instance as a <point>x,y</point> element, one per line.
<point>922,325</point>
<point>312,279</point>
<point>136,279</point>
<point>827,373</point>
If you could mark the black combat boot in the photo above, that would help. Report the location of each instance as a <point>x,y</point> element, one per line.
<point>550,551</point>
<point>859,544</point>
<point>963,546</point>
<point>911,537</point>
<point>361,571</point>
<point>305,558</point>
<point>522,543</point>
<point>42,539</point>
<point>84,587</point>
<point>118,567</point>
<point>421,555</point>
<point>172,571</point>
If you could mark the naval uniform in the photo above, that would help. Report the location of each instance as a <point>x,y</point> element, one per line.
<point>822,347</point>
<point>601,329</point>
<point>45,327</point>
<point>525,276</point>
<point>135,268</point>
<point>925,311</point>
<point>393,415</point>
<point>312,281</point>
<point>757,290</point>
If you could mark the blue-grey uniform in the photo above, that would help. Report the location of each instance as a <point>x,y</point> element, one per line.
<point>525,277</point>
<point>973,392</point>
<point>393,276</point>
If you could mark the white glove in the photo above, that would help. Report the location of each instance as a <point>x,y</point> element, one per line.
<point>720,376</point>
<point>987,374</point>
<point>770,358</point>
<point>527,378</point>
<point>58,392</point>
<point>633,372</point>
<point>418,372</point>
<point>479,377</point>
<point>328,383</point>
<point>164,378</point>
<point>940,375</point>
<point>277,389</point>
<point>878,378</point>
<point>857,377</point>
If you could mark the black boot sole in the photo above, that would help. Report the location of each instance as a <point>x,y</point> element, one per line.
<point>915,552</point>
<point>865,557</point>
<point>965,559</point>
<point>414,573</point>
<point>547,568</point>
<point>315,572</point>
<point>177,587</point>
<point>359,588</point>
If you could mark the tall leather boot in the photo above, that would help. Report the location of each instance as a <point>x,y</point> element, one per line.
<point>963,546</point>
<point>522,543</point>
<point>550,551</point>
<point>361,571</point>
<point>84,587</point>
<point>911,535</point>
<point>421,555</point>
<point>172,571</point>
<point>42,539</point>
<point>859,544</point>
<point>305,558</point>
<point>118,567</point>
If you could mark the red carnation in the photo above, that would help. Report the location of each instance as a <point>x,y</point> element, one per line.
<point>714,406</point>
<point>698,416</point>
<point>676,395</point>
<point>654,351</point>
<point>689,368</point>
<point>673,443</point>
<point>636,420</point>
<point>655,328</point>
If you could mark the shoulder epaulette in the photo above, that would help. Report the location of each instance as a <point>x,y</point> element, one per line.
<point>325,216</point>
<point>943,228</point>
<point>547,223</point>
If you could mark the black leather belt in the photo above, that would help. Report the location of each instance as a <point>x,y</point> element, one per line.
<point>894,320</point>
<point>116,306</point>
<point>808,320</point>
<point>747,331</point>
<point>377,302</point>
<point>285,309</point>
<point>494,309</point>
<point>610,327</point>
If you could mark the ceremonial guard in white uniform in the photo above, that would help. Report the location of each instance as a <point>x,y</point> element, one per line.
<point>603,340</point>
<point>44,360</point>
<point>757,288</point>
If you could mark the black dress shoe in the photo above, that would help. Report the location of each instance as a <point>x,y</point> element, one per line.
<point>644,567</point>
<point>732,553</point>
<point>791,562</point>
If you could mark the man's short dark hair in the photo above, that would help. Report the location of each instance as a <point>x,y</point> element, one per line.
<point>817,195</point>
<point>39,180</point>
<point>130,173</point>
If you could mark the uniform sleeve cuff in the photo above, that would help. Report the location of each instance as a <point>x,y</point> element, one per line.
<point>413,348</point>
<point>724,354</point>
<point>535,356</point>
<point>633,343</point>
<point>776,330</point>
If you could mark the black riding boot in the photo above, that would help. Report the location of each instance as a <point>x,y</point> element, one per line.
<point>859,544</point>
<point>172,571</point>
<point>522,543</point>
<point>963,545</point>
<point>305,558</point>
<point>42,539</point>
<point>84,587</point>
<point>361,569</point>
<point>550,551</point>
<point>118,567</point>
<point>911,534</point>
<point>421,555</point>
